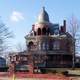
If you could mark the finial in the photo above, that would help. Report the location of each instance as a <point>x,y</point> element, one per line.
<point>43,8</point>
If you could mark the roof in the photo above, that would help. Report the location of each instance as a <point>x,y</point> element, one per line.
<point>43,16</point>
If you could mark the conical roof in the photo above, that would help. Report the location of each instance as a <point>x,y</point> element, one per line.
<point>43,16</point>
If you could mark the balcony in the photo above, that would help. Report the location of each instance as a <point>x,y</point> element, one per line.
<point>50,52</point>
<point>45,36</point>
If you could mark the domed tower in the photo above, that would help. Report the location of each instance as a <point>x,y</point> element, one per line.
<point>51,40</point>
<point>42,25</point>
<point>40,31</point>
<point>43,16</point>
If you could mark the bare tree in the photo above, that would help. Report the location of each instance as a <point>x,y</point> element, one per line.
<point>5,34</point>
<point>20,47</point>
<point>73,29</point>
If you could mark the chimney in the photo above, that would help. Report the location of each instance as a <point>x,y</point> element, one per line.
<point>64,25</point>
<point>62,29</point>
<point>33,27</point>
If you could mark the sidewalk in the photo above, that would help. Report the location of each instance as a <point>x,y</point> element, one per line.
<point>6,78</point>
<point>19,76</point>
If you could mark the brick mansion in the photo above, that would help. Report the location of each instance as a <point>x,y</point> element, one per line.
<point>48,44</point>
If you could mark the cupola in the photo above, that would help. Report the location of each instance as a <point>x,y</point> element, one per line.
<point>43,16</point>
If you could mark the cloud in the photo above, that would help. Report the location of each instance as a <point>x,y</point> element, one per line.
<point>16,16</point>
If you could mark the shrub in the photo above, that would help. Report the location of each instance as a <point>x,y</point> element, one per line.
<point>43,71</point>
<point>65,73</point>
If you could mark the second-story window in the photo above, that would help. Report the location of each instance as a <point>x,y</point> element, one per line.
<point>47,46</point>
<point>39,46</point>
<point>39,31</point>
<point>56,45</point>
<point>30,45</point>
<point>51,45</point>
<point>44,46</point>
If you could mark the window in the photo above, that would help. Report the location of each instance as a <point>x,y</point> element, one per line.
<point>47,46</point>
<point>24,58</point>
<point>44,31</point>
<point>43,46</point>
<point>39,46</point>
<point>56,45</point>
<point>30,45</point>
<point>51,45</point>
<point>34,33</point>
<point>39,31</point>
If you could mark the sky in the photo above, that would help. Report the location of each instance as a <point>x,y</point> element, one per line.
<point>20,15</point>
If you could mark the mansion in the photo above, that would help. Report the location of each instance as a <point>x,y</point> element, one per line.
<point>48,46</point>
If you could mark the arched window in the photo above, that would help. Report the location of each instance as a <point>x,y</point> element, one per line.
<point>39,31</point>
<point>30,45</point>
<point>44,31</point>
<point>56,45</point>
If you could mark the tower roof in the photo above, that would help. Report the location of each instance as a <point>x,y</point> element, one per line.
<point>43,16</point>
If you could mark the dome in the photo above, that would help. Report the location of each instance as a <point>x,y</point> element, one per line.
<point>43,16</point>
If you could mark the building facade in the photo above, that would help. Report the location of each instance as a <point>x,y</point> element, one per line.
<point>20,62</point>
<point>48,46</point>
<point>49,43</point>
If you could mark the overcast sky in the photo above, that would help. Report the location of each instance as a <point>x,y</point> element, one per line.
<point>19,15</point>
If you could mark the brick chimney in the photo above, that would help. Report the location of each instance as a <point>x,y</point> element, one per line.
<point>64,25</point>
